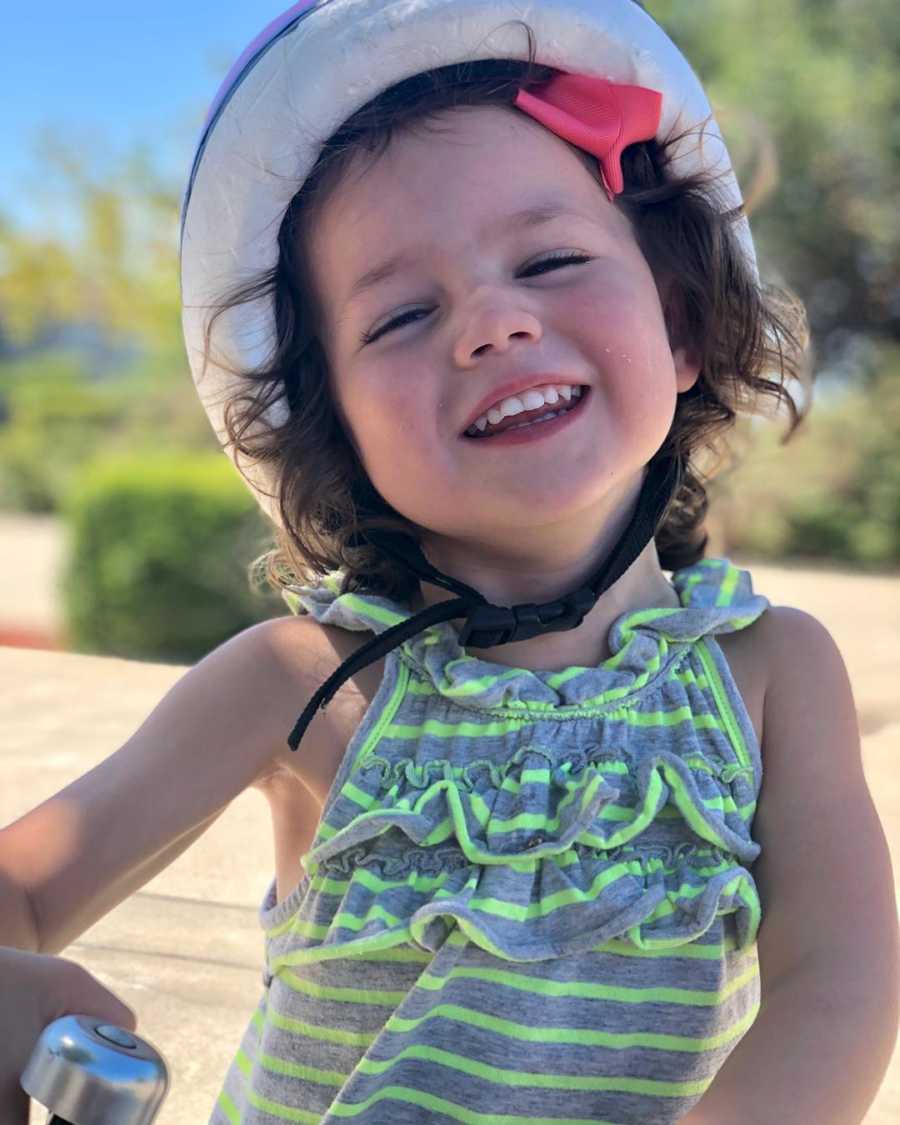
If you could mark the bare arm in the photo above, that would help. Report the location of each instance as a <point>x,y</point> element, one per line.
<point>828,943</point>
<point>220,729</point>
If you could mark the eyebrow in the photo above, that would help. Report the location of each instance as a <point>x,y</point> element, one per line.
<point>528,218</point>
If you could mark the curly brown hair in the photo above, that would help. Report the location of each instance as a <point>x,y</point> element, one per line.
<point>750,340</point>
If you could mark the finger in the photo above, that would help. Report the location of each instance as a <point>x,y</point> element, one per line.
<point>77,992</point>
<point>13,1103</point>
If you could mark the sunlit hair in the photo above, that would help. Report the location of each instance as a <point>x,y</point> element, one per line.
<point>750,341</point>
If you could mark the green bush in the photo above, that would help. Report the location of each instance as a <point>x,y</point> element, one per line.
<point>52,419</point>
<point>52,410</point>
<point>833,492</point>
<point>158,558</point>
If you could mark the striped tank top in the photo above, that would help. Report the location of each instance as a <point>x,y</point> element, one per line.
<point>528,896</point>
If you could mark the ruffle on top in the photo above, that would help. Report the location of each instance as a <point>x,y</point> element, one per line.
<point>715,597</point>
<point>536,838</point>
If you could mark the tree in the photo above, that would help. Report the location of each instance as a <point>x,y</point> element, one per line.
<point>822,77</point>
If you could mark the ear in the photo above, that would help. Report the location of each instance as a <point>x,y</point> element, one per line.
<point>684,358</point>
<point>687,369</point>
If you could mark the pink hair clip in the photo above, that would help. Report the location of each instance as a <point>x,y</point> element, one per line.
<point>596,115</point>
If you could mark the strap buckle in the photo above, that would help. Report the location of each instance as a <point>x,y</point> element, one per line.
<point>488,625</point>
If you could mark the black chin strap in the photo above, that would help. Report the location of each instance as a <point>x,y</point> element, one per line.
<point>487,625</point>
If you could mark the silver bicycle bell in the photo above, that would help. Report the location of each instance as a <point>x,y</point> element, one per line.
<point>88,1072</point>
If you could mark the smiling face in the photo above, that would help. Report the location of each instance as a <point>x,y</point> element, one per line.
<point>514,271</point>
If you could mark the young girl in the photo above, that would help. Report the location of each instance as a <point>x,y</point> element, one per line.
<point>468,297</point>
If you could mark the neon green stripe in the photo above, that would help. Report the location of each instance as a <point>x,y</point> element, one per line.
<point>451,1109</point>
<point>390,709</point>
<point>687,676</point>
<point>728,586</point>
<point>363,876</point>
<point>364,608</point>
<point>751,901</point>
<point>642,616</point>
<point>689,585</point>
<point>557,679</point>
<point>612,694</point>
<point>359,796</point>
<point>461,730</point>
<point>506,1078</point>
<point>683,800</point>
<point>281,928</point>
<point>442,769</point>
<point>548,904</point>
<point>352,994</point>
<point>484,812</point>
<point>678,948</point>
<point>456,825</point>
<point>420,687</point>
<point>500,908</point>
<point>458,818</point>
<point>689,951</point>
<point>476,685</point>
<point>409,731</point>
<point>667,718</point>
<point>579,1036</point>
<point>513,1031</point>
<point>384,940</point>
<point>398,953</point>
<point>311,1030</point>
<point>634,864</point>
<point>719,694</point>
<point>589,990</point>
<point>276,1109</point>
<point>344,920</point>
<point>228,1107</point>
<point>289,1069</point>
<point>638,682</point>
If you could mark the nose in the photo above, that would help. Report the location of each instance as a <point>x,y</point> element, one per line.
<point>491,321</point>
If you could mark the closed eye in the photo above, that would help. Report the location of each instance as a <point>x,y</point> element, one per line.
<point>553,261</point>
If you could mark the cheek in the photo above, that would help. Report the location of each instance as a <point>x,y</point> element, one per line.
<point>388,428</point>
<point>633,318</point>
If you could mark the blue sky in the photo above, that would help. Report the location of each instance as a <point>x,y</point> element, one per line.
<point>108,75</point>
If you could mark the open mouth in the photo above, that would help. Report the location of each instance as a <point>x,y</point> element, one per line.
<point>527,423</point>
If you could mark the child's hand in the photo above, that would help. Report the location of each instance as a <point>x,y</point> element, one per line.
<point>35,990</point>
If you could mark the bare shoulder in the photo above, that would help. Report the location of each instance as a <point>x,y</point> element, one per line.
<point>304,654</point>
<point>755,653</point>
<point>820,837</point>
<point>800,659</point>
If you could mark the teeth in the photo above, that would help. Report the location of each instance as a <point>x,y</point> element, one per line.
<point>512,406</point>
<point>533,399</point>
<point>529,400</point>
